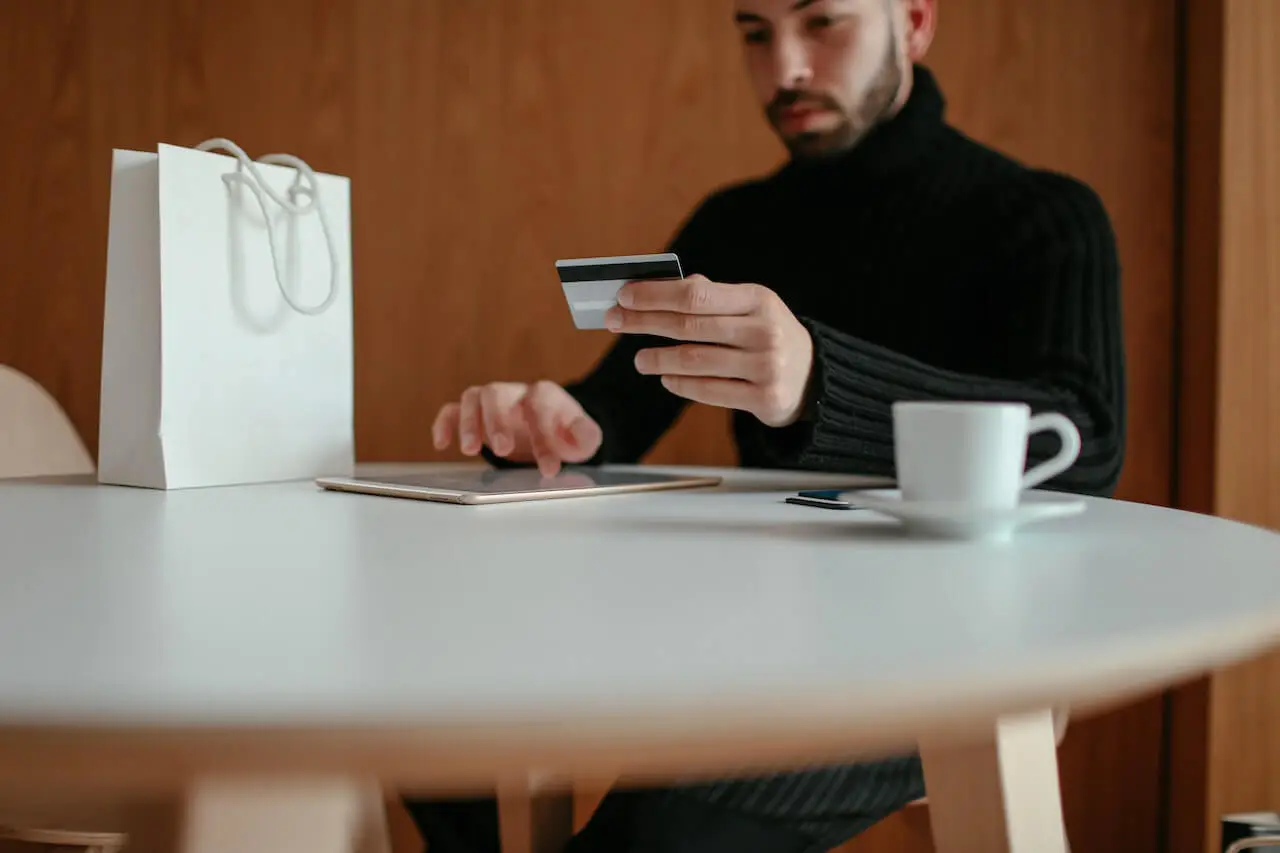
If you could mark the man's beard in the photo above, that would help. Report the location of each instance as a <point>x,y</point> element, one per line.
<point>875,107</point>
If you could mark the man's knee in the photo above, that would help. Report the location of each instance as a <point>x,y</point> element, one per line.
<point>457,826</point>
<point>660,821</point>
<point>795,813</point>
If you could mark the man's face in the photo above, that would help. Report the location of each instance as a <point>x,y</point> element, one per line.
<point>826,71</point>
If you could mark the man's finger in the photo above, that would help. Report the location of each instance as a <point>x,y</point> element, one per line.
<point>693,295</point>
<point>497,423</point>
<point>469,436</point>
<point>446,425</point>
<point>724,393</point>
<point>546,459</point>
<point>701,328</point>
<point>700,360</point>
<point>545,412</point>
<point>582,437</point>
<point>540,408</point>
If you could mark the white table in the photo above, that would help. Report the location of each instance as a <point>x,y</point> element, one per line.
<point>216,639</point>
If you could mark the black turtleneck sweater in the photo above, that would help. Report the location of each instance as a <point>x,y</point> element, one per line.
<point>925,266</point>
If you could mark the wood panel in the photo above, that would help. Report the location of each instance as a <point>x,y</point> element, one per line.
<point>506,135</point>
<point>1224,752</point>
<point>1248,470</point>
<point>1225,748</point>
<point>485,139</point>
<point>1111,122</point>
<point>1244,756</point>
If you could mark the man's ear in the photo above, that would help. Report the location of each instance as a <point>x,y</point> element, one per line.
<point>922,23</point>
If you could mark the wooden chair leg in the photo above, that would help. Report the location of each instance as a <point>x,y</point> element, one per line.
<point>534,821</point>
<point>305,816</point>
<point>998,794</point>
<point>373,825</point>
<point>1061,716</point>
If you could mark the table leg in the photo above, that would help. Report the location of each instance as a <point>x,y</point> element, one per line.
<point>998,793</point>
<point>534,821</point>
<point>306,816</point>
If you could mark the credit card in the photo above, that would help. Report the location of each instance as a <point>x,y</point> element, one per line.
<point>591,285</point>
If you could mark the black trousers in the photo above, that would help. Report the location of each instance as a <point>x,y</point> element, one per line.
<point>802,812</point>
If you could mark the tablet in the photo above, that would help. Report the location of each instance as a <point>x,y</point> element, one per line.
<point>493,486</point>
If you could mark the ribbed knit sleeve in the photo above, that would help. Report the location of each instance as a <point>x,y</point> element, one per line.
<point>1063,323</point>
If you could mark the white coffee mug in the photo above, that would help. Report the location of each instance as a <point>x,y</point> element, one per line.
<point>974,453</point>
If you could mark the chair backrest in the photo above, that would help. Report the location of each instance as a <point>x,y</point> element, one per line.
<point>36,436</point>
<point>60,840</point>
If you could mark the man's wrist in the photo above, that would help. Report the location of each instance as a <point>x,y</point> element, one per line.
<point>811,399</point>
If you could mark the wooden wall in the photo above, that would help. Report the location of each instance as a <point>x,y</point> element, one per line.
<point>1225,729</point>
<point>1109,120</point>
<point>487,138</point>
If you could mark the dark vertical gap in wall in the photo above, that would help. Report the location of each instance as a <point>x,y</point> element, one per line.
<point>1180,49</point>
<point>1178,283</point>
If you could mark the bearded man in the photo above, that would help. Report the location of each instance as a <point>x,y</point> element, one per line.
<point>889,258</point>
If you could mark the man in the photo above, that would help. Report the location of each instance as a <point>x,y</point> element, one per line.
<point>889,258</point>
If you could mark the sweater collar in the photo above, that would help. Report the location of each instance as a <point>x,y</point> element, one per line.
<point>896,142</point>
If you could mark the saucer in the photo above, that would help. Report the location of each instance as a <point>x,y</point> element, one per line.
<point>966,521</point>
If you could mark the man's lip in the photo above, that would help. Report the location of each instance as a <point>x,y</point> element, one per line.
<point>793,119</point>
<point>800,112</point>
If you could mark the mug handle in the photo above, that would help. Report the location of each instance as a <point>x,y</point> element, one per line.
<point>1066,457</point>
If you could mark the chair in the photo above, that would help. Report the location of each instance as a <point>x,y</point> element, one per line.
<point>58,840</point>
<point>38,439</point>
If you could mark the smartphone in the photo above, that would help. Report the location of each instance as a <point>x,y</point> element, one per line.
<point>823,498</point>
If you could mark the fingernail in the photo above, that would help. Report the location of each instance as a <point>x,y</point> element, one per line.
<point>642,361</point>
<point>625,298</point>
<point>613,319</point>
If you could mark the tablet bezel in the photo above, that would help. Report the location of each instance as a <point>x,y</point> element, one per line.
<point>378,485</point>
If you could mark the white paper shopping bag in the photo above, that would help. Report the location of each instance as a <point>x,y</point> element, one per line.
<point>227,340</point>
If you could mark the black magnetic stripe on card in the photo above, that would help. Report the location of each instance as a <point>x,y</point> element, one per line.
<point>614,272</point>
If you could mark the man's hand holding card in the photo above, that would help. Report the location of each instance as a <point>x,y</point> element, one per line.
<point>742,348</point>
<point>737,346</point>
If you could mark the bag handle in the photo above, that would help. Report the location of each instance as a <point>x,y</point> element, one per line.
<point>258,186</point>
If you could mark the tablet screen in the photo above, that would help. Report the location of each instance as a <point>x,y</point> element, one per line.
<point>496,481</point>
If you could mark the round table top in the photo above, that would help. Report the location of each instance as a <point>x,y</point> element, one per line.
<point>286,605</point>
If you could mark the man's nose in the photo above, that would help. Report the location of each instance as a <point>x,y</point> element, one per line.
<point>793,68</point>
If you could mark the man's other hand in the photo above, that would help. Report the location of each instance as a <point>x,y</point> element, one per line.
<point>540,423</point>
<point>745,349</point>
